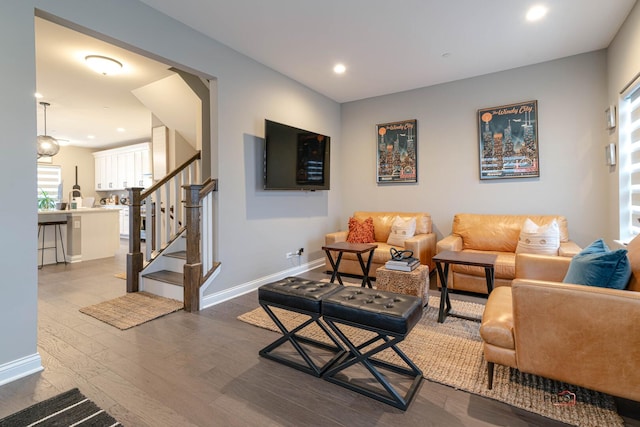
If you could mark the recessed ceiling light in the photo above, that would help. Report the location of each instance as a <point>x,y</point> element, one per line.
<point>103,64</point>
<point>120,129</point>
<point>339,69</point>
<point>91,136</point>
<point>536,12</point>
<point>37,95</point>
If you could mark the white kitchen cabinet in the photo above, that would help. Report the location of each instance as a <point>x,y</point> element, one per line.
<point>126,173</point>
<point>124,167</point>
<point>142,168</point>
<point>112,172</point>
<point>124,222</point>
<point>101,170</point>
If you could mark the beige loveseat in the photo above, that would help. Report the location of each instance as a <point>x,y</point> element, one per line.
<point>496,234</point>
<point>423,243</point>
<point>582,335</point>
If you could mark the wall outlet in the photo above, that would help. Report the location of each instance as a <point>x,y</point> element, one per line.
<point>295,253</point>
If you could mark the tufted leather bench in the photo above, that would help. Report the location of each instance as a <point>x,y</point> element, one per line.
<point>305,297</point>
<point>391,317</point>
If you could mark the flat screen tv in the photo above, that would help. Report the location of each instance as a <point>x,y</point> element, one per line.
<point>295,159</point>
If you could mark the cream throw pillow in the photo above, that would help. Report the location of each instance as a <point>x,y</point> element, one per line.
<point>401,230</point>
<point>535,239</point>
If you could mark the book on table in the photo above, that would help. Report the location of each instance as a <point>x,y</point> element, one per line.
<point>402,266</point>
<point>403,261</point>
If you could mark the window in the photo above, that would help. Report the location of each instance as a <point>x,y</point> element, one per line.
<point>50,180</point>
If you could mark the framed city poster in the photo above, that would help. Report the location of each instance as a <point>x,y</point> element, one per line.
<point>397,160</point>
<point>508,137</point>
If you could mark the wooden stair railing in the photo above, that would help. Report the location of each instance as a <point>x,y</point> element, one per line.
<point>162,225</point>
<point>199,219</point>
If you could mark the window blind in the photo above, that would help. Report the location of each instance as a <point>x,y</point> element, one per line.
<point>49,180</point>
<point>632,132</point>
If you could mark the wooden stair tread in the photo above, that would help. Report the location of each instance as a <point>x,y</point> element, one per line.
<point>177,254</point>
<point>166,276</point>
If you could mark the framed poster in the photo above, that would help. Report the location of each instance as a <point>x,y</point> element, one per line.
<point>397,160</point>
<point>508,140</point>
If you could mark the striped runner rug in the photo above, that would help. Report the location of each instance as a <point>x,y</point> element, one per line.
<point>70,408</point>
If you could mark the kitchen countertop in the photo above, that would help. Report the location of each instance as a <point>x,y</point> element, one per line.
<point>91,233</point>
<point>76,211</point>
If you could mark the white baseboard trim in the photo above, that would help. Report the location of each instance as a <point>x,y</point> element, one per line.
<point>19,368</point>
<point>227,294</point>
<point>74,258</point>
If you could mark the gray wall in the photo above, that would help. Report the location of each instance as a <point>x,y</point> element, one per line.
<point>571,95</point>
<point>255,229</point>
<point>18,215</point>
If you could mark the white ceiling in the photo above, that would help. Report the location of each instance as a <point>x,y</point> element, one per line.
<point>387,47</point>
<point>84,102</point>
<point>391,46</point>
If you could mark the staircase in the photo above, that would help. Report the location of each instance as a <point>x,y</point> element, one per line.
<point>164,275</point>
<point>177,261</point>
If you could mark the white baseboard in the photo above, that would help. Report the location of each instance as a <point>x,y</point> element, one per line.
<point>227,294</point>
<point>19,368</point>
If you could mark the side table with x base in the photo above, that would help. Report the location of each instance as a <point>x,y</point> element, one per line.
<point>358,249</point>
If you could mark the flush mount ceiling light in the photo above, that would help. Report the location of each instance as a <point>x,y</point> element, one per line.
<point>536,12</point>
<point>103,64</point>
<point>47,145</point>
<point>339,69</point>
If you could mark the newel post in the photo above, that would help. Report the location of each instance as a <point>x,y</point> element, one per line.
<point>193,266</point>
<point>135,257</point>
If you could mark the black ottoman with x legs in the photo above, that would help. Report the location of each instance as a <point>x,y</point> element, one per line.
<point>305,297</point>
<point>390,317</point>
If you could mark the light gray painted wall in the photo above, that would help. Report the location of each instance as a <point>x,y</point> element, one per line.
<point>623,63</point>
<point>571,95</point>
<point>255,228</point>
<point>18,214</point>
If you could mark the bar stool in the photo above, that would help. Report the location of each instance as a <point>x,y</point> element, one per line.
<point>42,226</point>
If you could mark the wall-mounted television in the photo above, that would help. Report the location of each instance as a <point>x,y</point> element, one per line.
<point>295,159</point>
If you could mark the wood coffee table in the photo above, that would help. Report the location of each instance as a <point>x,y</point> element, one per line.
<point>354,248</point>
<point>487,261</point>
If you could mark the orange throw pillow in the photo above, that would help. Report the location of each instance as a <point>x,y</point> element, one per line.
<point>361,232</point>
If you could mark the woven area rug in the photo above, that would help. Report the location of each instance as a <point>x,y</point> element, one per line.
<point>132,309</point>
<point>450,353</point>
<point>67,409</point>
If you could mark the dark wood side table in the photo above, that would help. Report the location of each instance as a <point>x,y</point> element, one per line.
<point>355,248</point>
<point>444,259</point>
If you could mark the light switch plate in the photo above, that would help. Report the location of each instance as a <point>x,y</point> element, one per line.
<point>610,116</point>
<point>610,154</point>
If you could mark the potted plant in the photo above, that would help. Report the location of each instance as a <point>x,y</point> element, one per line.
<point>45,202</point>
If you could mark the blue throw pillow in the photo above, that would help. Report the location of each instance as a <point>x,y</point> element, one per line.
<point>597,265</point>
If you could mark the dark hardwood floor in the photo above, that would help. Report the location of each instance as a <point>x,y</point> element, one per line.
<point>203,369</point>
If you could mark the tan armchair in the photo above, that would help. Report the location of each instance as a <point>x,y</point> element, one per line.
<point>423,243</point>
<point>582,335</point>
<point>495,234</point>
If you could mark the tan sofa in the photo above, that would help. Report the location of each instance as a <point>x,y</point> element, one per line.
<point>496,234</point>
<point>423,244</point>
<point>582,335</point>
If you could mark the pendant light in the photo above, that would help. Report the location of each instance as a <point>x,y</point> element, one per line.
<point>47,145</point>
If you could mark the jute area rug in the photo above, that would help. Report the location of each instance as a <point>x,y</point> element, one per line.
<point>71,408</point>
<point>132,309</point>
<point>450,353</point>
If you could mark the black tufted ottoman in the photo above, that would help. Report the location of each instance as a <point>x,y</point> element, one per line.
<point>305,297</point>
<point>391,317</point>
